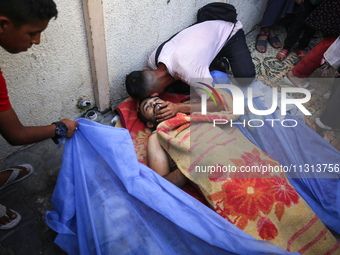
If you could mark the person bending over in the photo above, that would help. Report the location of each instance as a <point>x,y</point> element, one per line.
<point>189,54</point>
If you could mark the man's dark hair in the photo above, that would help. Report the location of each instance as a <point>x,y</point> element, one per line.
<point>136,85</point>
<point>141,117</point>
<point>22,12</point>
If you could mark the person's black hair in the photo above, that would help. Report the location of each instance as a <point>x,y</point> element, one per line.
<point>22,12</point>
<point>136,85</point>
<point>141,117</point>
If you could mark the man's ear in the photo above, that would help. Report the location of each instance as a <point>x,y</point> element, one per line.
<point>149,125</point>
<point>5,23</point>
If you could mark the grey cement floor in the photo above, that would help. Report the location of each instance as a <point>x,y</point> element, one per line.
<point>31,198</point>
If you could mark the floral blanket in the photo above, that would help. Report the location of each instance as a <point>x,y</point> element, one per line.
<point>264,205</point>
<point>140,133</point>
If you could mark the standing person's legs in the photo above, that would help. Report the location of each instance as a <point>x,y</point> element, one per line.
<point>298,26</point>
<point>313,59</point>
<point>294,32</point>
<point>309,64</point>
<point>330,117</point>
<point>238,55</point>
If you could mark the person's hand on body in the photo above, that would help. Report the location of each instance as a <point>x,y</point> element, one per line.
<point>167,111</point>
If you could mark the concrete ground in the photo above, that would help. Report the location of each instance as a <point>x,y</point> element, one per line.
<point>31,198</point>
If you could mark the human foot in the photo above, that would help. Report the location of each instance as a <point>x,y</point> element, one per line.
<point>261,43</point>
<point>296,81</point>
<point>14,174</point>
<point>274,40</point>
<point>8,218</point>
<point>283,54</point>
<point>293,80</point>
<point>300,53</point>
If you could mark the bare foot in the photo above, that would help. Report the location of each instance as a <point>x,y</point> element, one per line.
<point>272,34</point>
<point>297,81</point>
<point>262,48</point>
<point>7,218</point>
<point>282,54</point>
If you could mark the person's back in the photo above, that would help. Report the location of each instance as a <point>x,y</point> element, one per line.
<point>190,52</point>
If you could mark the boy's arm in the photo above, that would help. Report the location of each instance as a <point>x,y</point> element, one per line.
<point>17,134</point>
<point>159,162</point>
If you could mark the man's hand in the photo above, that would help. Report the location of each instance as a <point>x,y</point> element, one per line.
<point>71,126</point>
<point>168,111</point>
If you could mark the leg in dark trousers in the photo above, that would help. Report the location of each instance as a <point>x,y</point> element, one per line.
<point>298,27</point>
<point>331,117</point>
<point>238,55</point>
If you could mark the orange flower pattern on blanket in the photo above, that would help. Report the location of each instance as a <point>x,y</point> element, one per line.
<point>251,199</point>
<point>253,159</point>
<point>140,141</point>
<point>266,208</point>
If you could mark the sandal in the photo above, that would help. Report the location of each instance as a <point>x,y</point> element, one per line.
<point>15,172</point>
<point>273,40</point>
<point>300,53</point>
<point>262,43</point>
<point>321,125</point>
<point>285,54</point>
<point>13,222</point>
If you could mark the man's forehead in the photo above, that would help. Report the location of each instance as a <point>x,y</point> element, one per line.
<point>145,101</point>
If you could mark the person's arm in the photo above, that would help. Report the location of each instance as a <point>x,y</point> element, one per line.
<point>171,109</point>
<point>159,162</point>
<point>17,134</point>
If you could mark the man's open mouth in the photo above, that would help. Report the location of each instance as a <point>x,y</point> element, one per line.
<point>156,108</point>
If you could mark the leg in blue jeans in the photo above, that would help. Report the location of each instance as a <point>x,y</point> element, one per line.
<point>238,55</point>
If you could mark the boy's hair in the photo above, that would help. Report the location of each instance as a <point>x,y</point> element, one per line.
<point>137,85</point>
<point>22,12</point>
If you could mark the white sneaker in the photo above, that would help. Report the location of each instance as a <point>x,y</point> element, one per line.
<point>321,125</point>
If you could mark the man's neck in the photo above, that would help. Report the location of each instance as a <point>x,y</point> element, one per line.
<point>163,76</point>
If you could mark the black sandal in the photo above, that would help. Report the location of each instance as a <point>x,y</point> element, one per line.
<point>262,43</point>
<point>273,40</point>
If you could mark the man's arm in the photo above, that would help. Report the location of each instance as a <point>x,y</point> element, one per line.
<point>17,134</point>
<point>171,109</point>
<point>159,162</point>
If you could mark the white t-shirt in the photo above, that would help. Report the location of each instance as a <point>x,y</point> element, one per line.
<point>332,55</point>
<point>189,54</point>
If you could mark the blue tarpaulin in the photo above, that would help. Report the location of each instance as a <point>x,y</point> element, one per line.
<point>106,202</point>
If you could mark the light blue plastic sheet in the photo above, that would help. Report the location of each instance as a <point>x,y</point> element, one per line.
<point>106,202</point>
<point>302,151</point>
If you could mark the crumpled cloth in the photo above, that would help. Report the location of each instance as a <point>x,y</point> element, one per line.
<point>106,202</point>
